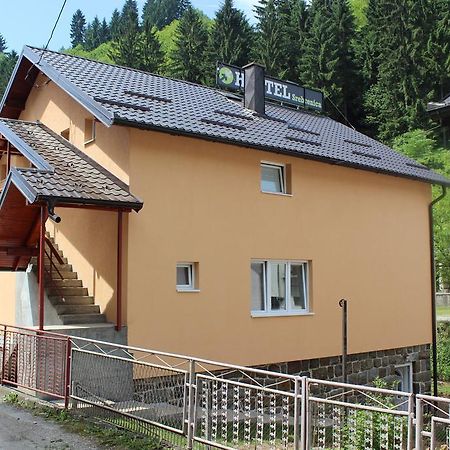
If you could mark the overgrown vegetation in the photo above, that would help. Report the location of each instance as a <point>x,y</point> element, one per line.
<point>443,351</point>
<point>107,436</point>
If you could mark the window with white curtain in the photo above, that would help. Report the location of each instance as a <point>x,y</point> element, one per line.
<point>279,287</point>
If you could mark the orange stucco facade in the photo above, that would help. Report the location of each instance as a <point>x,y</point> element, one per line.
<point>364,234</point>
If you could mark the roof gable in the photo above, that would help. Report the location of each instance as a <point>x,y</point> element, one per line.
<point>119,95</point>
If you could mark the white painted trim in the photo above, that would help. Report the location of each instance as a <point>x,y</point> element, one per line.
<point>191,274</point>
<point>187,290</point>
<point>282,168</point>
<point>282,194</point>
<point>259,314</point>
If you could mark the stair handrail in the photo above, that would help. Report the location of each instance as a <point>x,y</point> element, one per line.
<point>54,251</point>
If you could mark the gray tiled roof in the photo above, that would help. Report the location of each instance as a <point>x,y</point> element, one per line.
<point>436,106</point>
<point>62,173</point>
<point>119,95</point>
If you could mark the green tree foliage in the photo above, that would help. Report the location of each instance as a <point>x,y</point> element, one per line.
<point>105,33</point>
<point>151,55</point>
<point>359,8</point>
<point>190,55</point>
<point>78,28</point>
<point>126,48</point>
<point>422,146</point>
<point>396,78</point>
<point>231,35</point>
<point>271,40</point>
<point>114,24</point>
<point>7,63</point>
<point>160,13</point>
<point>93,36</point>
<point>101,53</point>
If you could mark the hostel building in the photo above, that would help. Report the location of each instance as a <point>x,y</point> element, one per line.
<point>192,220</point>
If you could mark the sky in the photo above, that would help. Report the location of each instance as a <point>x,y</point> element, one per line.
<point>30,21</point>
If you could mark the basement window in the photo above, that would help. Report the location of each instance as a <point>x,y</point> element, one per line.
<point>279,288</point>
<point>89,131</point>
<point>186,277</point>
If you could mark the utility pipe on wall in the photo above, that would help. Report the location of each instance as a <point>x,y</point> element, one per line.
<point>41,266</point>
<point>433,290</point>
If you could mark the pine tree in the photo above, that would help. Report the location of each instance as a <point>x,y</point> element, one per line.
<point>438,49</point>
<point>190,57</point>
<point>105,34</point>
<point>160,13</point>
<point>93,35</point>
<point>126,46</point>
<point>114,24</point>
<point>231,36</point>
<point>295,15</point>
<point>78,28</point>
<point>271,39</point>
<point>151,56</point>
<point>395,103</point>
<point>320,52</point>
<point>7,63</point>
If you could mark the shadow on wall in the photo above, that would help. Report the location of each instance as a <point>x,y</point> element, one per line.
<point>27,302</point>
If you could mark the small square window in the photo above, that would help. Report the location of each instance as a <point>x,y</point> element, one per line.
<point>186,276</point>
<point>273,178</point>
<point>89,131</point>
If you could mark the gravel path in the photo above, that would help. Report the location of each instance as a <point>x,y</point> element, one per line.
<point>20,429</point>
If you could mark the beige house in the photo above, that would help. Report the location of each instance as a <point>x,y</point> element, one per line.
<point>254,223</point>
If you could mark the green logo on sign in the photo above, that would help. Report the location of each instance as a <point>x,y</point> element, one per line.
<point>226,75</point>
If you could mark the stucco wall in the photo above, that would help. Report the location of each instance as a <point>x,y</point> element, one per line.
<point>365,234</point>
<point>87,238</point>
<point>7,298</point>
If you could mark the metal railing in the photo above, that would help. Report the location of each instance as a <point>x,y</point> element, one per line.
<point>195,403</point>
<point>35,360</point>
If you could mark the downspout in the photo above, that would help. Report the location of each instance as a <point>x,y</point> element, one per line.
<point>433,290</point>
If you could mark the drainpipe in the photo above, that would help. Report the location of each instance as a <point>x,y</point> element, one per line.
<point>433,290</point>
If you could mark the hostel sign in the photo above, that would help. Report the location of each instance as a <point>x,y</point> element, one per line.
<point>233,78</point>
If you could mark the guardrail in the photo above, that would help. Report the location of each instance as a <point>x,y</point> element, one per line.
<point>193,402</point>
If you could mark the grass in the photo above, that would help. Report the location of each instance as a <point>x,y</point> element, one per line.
<point>444,388</point>
<point>443,311</point>
<point>111,437</point>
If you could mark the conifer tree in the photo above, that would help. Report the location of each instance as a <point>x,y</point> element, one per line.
<point>271,40</point>
<point>114,24</point>
<point>7,63</point>
<point>126,46</point>
<point>396,102</point>
<point>105,34</point>
<point>438,49</point>
<point>190,57</point>
<point>93,34</point>
<point>231,36</point>
<point>160,13</point>
<point>151,55</point>
<point>77,28</point>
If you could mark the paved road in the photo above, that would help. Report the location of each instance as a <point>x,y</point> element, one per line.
<point>20,430</point>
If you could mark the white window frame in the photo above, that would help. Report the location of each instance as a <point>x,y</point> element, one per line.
<point>190,287</point>
<point>289,311</point>
<point>93,134</point>
<point>282,170</point>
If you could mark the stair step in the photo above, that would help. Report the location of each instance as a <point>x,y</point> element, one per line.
<point>60,267</point>
<point>55,261</point>
<point>71,300</point>
<point>65,291</point>
<point>65,283</point>
<point>71,319</point>
<point>70,309</point>
<point>67,275</point>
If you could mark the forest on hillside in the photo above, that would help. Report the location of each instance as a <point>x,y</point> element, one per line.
<point>378,62</point>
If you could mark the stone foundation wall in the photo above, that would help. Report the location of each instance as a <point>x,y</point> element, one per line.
<point>364,368</point>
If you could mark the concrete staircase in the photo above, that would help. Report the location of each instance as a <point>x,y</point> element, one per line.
<point>65,291</point>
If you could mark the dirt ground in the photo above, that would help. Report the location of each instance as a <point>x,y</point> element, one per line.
<point>19,429</point>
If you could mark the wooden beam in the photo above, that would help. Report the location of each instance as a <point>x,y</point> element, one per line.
<point>41,266</point>
<point>119,271</point>
<point>19,251</point>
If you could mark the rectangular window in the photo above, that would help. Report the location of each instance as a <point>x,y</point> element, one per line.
<point>279,287</point>
<point>186,276</point>
<point>273,178</point>
<point>89,131</point>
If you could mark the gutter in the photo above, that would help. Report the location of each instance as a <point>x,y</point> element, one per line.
<point>433,289</point>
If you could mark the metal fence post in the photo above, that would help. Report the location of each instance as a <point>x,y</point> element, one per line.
<point>191,405</point>
<point>304,416</point>
<point>3,355</point>
<point>410,444</point>
<point>419,424</point>
<point>297,432</point>
<point>67,374</point>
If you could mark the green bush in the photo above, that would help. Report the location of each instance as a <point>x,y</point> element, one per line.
<point>443,351</point>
